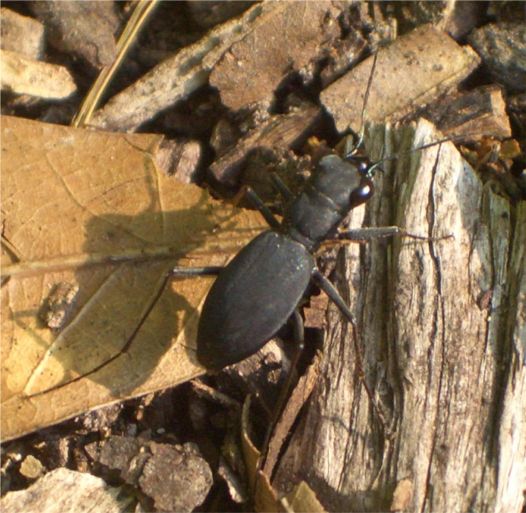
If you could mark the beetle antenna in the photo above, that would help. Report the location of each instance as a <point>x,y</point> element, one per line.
<point>459,138</point>
<point>371,170</point>
<point>361,133</point>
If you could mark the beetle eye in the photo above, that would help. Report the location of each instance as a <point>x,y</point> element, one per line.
<point>363,168</point>
<point>362,193</point>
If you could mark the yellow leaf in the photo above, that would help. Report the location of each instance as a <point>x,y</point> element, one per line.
<point>89,215</point>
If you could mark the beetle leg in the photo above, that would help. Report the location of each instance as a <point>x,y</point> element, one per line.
<point>373,232</point>
<point>299,340</point>
<point>370,233</point>
<point>333,294</point>
<point>329,289</point>
<point>211,270</point>
<point>257,202</point>
<point>281,186</point>
<point>284,393</point>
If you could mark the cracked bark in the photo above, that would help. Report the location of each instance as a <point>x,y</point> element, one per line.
<point>442,327</point>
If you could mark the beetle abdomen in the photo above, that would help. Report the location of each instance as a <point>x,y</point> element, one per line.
<point>252,298</point>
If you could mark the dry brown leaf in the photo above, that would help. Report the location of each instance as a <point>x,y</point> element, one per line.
<point>265,497</point>
<point>250,451</point>
<point>303,498</point>
<point>90,210</point>
<point>299,395</point>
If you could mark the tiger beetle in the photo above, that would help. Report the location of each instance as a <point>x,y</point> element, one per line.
<point>260,289</point>
<point>262,286</point>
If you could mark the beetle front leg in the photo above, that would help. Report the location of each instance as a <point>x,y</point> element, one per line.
<point>370,233</point>
<point>258,203</point>
<point>281,186</point>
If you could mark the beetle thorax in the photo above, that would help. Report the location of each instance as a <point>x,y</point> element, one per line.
<point>325,201</point>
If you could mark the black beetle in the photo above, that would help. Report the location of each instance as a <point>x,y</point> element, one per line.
<point>257,292</point>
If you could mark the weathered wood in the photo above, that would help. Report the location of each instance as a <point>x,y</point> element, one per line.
<point>279,131</point>
<point>410,73</point>
<point>178,76</point>
<point>466,115</point>
<point>253,67</point>
<point>65,491</point>
<point>442,326</point>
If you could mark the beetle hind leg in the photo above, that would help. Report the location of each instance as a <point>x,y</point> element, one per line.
<point>285,392</point>
<point>329,289</point>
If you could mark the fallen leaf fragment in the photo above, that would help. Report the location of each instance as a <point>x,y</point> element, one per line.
<point>91,209</point>
<point>265,498</point>
<point>251,453</point>
<point>303,498</point>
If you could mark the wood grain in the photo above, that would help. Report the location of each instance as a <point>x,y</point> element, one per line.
<point>442,327</point>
